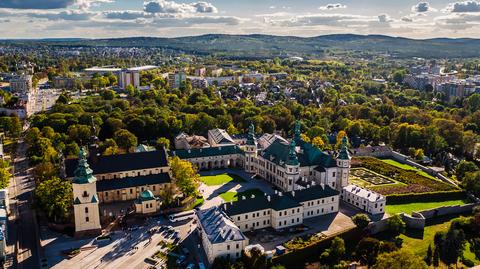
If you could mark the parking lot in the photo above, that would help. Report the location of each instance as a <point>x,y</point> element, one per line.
<point>132,247</point>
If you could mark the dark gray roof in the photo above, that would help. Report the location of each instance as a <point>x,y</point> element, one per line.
<point>121,162</point>
<point>313,193</point>
<point>205,152</point>
<point>129,182</point>
<point>218,227</point>
<point>260,203</point>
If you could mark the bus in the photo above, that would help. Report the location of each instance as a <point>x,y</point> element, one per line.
<point>182,216</point>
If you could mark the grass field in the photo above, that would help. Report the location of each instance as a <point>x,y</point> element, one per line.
<point>411,207</point>
<point>418,244</point>
<point>220,179</point>
<point>408,167</point>
<point>231,196</point>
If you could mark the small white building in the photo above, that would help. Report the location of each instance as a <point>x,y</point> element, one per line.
<point>147,203</point>
<point>366,200</point>
<point>220,236</point>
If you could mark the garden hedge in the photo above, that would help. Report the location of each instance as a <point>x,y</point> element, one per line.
<point>439,196</point>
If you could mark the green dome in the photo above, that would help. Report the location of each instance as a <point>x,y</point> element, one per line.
<point>147,195</point>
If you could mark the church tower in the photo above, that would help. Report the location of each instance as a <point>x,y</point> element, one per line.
<point>251,151</point>
<point>292,168</point>
<point>85,200</point>
<point>343,165</point>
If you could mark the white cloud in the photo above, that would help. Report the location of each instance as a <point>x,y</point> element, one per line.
<point>163,6</point>
<point>406,19</point>
<point>49,4</point>
<point>466,6</point>
<point>68,15</point>
<point>126,15</point>
<point>332,6</point>
<point>384,18</point>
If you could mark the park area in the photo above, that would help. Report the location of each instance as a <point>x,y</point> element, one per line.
<point>391,177</point>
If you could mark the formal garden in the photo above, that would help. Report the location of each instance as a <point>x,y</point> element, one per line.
<point>369,176</point>
<point>412,180</point>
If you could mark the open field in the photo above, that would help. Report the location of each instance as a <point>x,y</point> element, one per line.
<point>220,179</point>
<point>407,167</point>
<point>231,196</point>
<point>412,207</point>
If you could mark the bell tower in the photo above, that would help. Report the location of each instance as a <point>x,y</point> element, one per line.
<point>85,199</point>
<point>251,151</point>
<point>343,165</point>
<point>292,168</point>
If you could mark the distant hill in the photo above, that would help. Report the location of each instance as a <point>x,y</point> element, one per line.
<point>260,46</point>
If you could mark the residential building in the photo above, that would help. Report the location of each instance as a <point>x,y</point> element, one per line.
<point>176,79</point>
<point>200,72</point>
<point>21,86</point>
<point>220,236</point>
<point>199,83</point>
<point>364,199</point>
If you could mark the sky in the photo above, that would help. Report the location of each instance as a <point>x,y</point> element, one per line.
<point>172,18</point>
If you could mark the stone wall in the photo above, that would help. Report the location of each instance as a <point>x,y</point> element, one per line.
<point>418,219</point>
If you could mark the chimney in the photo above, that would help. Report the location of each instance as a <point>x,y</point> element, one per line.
<point>293,193</point>
<point>253,196</point>
<point>308,186</point>
<point>322,185</point>
<point>276,192</point>
<point>280,194</point>
<point>313,183</point>
<point>268,198</point>
<point>243,198</point>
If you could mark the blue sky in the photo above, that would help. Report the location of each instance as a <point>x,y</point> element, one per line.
<point>120,18</point>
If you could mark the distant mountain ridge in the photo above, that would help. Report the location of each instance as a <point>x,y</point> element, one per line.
<point>261,46</point>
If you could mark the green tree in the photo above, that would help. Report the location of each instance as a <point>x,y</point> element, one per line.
<point>465,167</point>
<point>400,259</point>
<point>44,171</point>
<point>185,176</point>
<point>396,225</point>
<point>163,142</point>
<point>436,257</point>
<point>5,176</point>
<point>367,250</point>
<point>125,139</point>
<point>429,256</point>
<point>361,220</point>
<point>54,197</point>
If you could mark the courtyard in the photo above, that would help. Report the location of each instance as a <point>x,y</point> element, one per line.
<point>220,186</point>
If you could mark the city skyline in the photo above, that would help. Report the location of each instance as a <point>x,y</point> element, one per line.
<point>160,18</point>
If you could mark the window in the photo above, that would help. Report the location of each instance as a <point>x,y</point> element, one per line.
<point>85,194</point>
<point>333,174</point>
<point>118,192</point>
<point>87,219</point>
<point>246,226</point>
<point>228,247</point>
<point>332,208</point>
<point>279,223</point>
<point>154,188</point>
<point>280,213</point>
<point>333,199</point>
<point>131,191</point>
<point>86,209</point>
<point>298,219</point>
<point>237,247</point>
<point>106,194</point>
<point>238,218</point>
<point>138,174</point>
<point>246,216</point>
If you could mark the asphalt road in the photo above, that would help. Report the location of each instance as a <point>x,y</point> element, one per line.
<point>24,229</point>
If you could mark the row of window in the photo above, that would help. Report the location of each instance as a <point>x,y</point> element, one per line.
<point>131,174</point>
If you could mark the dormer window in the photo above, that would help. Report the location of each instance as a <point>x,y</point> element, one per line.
<point>85,194</point>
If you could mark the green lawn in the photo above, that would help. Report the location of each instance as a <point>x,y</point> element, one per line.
<point>220,179</point>
<point>231,196</point>
<point>411,207</point>
<point>418,244</point>
<point>407,167</point>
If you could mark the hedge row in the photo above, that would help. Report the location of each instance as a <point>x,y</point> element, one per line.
<point>439,196</point>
